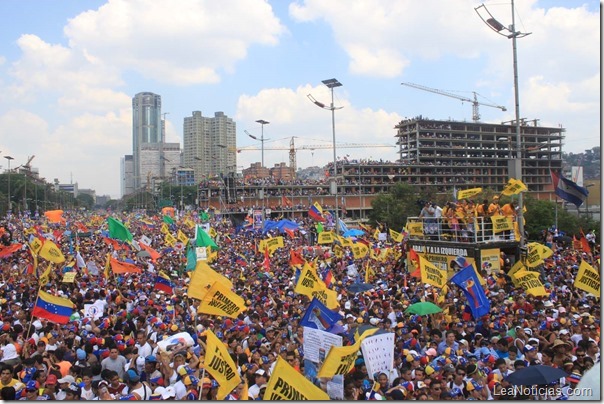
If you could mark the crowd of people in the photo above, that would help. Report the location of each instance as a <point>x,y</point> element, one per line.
<point>118,355</point>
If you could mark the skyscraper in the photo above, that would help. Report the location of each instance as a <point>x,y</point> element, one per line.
<point>146,129</point>
<point>210,145</point>
<point>153,160</point>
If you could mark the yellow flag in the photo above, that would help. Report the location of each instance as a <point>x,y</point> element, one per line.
<point>344,241</point>
<point>325,237</point>
<point>396,236</point>
<point>286,383</point>
<point>368,272</point>
<point>309,284</point>
<point>202,279</point>
<point>340,360</point>
<point>221,301</point>
<point>36,245</point>
<point>170,240</point>
<point>164,228</point>
<point>69,277</point>
<point>107,266</point>
<point>182,237</point>
<point>189,223</point>
<point>529,281</point>
<point>35,259</point>
<point>535,254</point>
<point>359,250</point>
<point>51,252</point>
<point>376,234</point>
<point>518,266</point>
<point>415,229</point>
<point>468,193</point>
<point>338,251</point>
<point>431,274</point>
<point>45,277</point>
<point>220,365</point>
<point>514,187</point>
<point>212,232</point>
<point>501,223</point>
<point>588,279</point>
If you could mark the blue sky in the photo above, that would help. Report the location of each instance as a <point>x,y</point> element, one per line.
<point>69,69</point>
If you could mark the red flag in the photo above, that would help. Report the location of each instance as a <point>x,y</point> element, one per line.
<point>295,258</point>
<point>266,264</point>
<point>413,257</point>
<point>584,243</point>
<point>285,201</point>
<point>6,251</point>
<point>290,233</point>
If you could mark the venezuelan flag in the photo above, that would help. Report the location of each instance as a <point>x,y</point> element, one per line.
<point>55,309</point>
<point>241,260</point>
<point>316,212</point>
<point>164,284</point>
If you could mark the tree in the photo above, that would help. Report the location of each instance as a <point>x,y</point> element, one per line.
<point>393,209</point>
<point>85,200</point>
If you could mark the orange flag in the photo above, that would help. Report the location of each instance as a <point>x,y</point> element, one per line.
<point>154,254</point>
<point>54,216</point>
<point>119,267</point>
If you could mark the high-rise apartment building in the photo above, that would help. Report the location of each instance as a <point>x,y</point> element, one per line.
<point>209,145</point>
<point>153,160</point>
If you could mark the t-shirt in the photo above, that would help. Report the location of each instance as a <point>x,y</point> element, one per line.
<point>9,352</point>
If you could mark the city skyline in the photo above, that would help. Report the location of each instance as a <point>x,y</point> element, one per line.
<point>69,74</point>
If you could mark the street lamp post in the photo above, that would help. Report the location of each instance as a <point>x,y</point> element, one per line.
<point>9,158</point>
<point>331,84</point>
<point>515,169</point>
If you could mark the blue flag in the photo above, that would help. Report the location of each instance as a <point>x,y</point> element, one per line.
<point>467,280</point>
<point>318,316</point>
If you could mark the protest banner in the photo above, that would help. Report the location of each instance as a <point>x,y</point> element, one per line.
<point>286,383</point>
<point>220,365</point>
<point>221,301</point>
<point>378,352</point>
<point>588,279</point>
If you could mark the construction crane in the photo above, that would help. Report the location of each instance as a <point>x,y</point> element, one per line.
<point>475,103</point>
<point>292,149</point>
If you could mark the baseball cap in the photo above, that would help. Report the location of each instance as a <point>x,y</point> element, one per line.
<point>65,379</point>
<point>260,372</point>
<point>51,379</point>
<point>170,392</point>
<point>528,348</point>
<point>151,358</point>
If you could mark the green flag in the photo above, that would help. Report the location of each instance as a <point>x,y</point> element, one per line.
<point>191,259</point>
<point>168,219</point>
<point>319,227</point>
<point>204,240</point>
<point>118,230</point>
<point>204,216</point>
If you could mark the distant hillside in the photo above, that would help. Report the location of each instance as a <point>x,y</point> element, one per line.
<point>590,160</point>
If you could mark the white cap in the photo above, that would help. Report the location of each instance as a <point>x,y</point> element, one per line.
<point>168,393</point>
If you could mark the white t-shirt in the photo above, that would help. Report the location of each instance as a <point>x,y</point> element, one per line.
<point>9,352</point>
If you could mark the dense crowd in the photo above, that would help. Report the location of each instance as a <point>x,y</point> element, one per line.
<point>441,356</point>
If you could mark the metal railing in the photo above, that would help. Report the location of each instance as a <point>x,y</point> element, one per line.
<point>470,230</point>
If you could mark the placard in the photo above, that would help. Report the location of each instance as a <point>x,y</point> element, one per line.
<point>317,343</point>
<point>378,352</point>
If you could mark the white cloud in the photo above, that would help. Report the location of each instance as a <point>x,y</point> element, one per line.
<point>293,114</point>
<point>184,44</point>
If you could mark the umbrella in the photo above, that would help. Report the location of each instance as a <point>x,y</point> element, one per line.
<point>423,308</point>
<point>353,233</point>
<point>536,375</point>
<point>359,287</point>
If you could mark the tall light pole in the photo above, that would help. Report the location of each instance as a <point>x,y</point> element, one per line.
<point>515,167</point>
<point>9,158</point>
<point>262,122</point>
<point>331,84</point>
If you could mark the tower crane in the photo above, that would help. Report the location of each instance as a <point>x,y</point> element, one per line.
<point>293,149</point>
<point>474,101</point>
